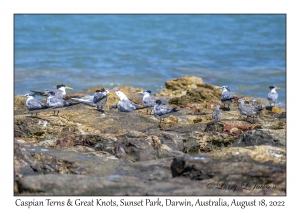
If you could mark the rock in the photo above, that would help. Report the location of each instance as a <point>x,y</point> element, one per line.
<point>199,95</point>
<point>275,109</point>
<point>262,153</point>
<point>231,170</point>
<point>185,83</point>
<point>116,153</point>
<point>179,86</point>
<point>258,137</point>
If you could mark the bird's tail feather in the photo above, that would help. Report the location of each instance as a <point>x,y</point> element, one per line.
<point>141,107</point>
<point>174,110</point>
<point>39,93</point>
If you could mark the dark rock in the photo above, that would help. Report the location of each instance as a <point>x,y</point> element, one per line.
<point>232,169</point>
<point>257,137</point>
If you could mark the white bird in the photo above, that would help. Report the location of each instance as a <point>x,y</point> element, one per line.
<point>148,100</point>
<point>273,95</point>
<point>124,104</point>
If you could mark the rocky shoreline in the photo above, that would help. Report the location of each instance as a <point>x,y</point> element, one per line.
<point>85,152</point>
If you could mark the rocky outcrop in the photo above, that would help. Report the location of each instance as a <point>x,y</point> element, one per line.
<point>117,153</point>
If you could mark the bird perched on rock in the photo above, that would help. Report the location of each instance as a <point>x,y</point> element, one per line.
<point>257,106</point>
<point>60,91</point>
<point>161,110</point>
<point>246,109</point>
<point>216,114</point>
<point>124,104</point>
<point>273,95</point>
<point>226,96</point>
<point>148,100</point>
<point>33,104</point>
<point>99,99</point>
<point>56,102</point>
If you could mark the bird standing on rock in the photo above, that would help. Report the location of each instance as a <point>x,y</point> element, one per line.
<point>99,99</point>
<point>161,110</point>
<point>55,102</point>
<point>226,96</point>
<point>216,114</point>
<point>273,95</point>
<point>257,106</point>
<point>246,109</point>
<point>148,100</point>
<point>124,104</point>
<point>33,104</point>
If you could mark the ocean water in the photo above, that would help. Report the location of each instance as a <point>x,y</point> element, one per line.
<point>245,52</point>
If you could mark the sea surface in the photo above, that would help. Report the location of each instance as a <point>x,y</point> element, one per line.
<point>245,52</point>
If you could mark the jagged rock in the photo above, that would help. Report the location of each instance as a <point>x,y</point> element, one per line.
<point>258,137</point>
<point>237,172</point>
<point>115,153</point>
<point>199,95</point>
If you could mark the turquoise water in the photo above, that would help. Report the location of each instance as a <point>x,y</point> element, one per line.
<point>245,52</point>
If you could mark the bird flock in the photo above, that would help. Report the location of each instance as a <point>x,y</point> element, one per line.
<point>57,98</point>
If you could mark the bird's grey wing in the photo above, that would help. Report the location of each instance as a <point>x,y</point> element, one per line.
<point>273,96</point>
<point>58,94</point>
<point>226,96</point>
<point>216,114</point>
<point>35,104</point>
<point>125,106</point>
<point>40,93</point>
<point>98,97</point>
<point>149,101</point>
<point>132,104</point>
<point>161,110</point>
<point>258,106</point>
<point>88,100</point>
<point>102,101</point>
<point>248,109</point>
<point>57,102</point>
